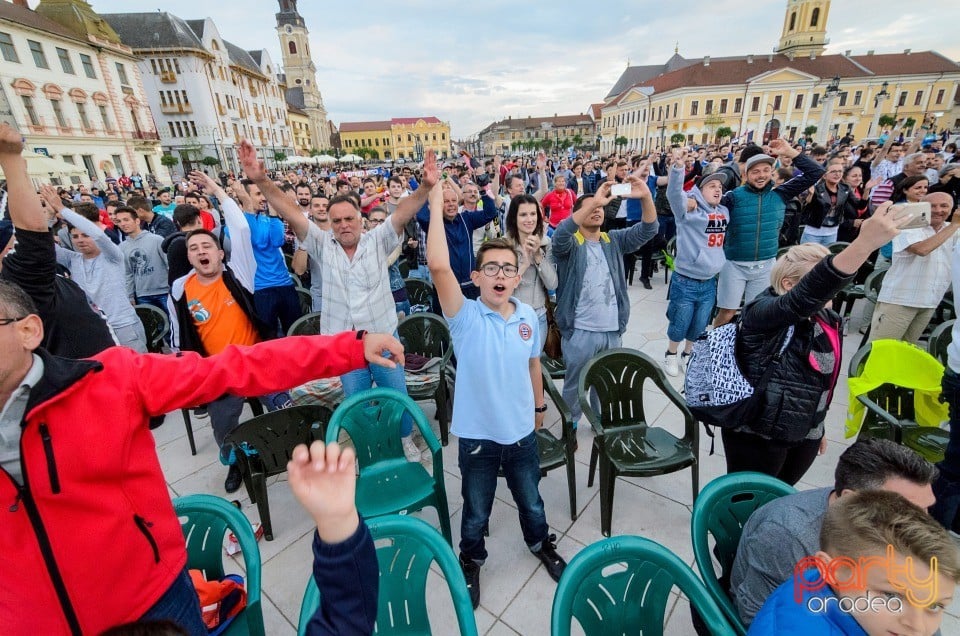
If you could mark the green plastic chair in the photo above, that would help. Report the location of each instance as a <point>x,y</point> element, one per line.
<point>306,325</point>
<point>388,483</point>
<point>419,291</point>
<point>428,335</point>
<point>205,519</point>
<point>622,585</point>
<point>625,444</point>
<point>306,300</point>
<point>940,339</point>
<point>890,414</point>
<point>721,511</point>
<point>406,548</point>
<point>871,291</point>
<point>554,452</point>
<point>155,324</point>
<point>266,444</point>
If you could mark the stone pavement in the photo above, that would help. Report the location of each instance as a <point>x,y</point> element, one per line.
<point>516,592</point>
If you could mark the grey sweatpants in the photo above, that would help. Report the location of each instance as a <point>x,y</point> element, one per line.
<point>578,349</point>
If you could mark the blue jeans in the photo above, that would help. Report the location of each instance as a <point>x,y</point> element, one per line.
<point>277,303</point>
<point>542,326</point>
<point>180,605</point>
<point>421,271</point>
<point>363,379</point>
<point>480,460</point>
<point>947,486</point>
<point>691,303</point>
<point>578,349</point>
<point>806,237</point>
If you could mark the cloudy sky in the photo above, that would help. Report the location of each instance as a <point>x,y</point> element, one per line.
<point>470,63</point>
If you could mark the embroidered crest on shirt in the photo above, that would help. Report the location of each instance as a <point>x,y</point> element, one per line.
<point>525,331</point>
<point>198,311</point>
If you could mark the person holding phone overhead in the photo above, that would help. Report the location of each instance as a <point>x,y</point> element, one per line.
<point>919,275</point>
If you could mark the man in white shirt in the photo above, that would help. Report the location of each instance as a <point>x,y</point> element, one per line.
<point>356,283</point>
<point>918,277</point>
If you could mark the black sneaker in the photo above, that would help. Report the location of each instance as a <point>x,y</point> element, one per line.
<point>646,283</point>
<point>234,479</point>
<point>551,560</point>
<point>471,572</point>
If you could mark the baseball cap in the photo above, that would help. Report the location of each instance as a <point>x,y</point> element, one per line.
<point>758,159</point>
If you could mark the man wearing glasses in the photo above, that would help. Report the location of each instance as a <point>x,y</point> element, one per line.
<point>498,353</point>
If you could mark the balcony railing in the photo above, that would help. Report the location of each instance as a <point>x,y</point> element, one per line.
<point>168,77</point>
<point>175,109</point>
<point>146,136</point>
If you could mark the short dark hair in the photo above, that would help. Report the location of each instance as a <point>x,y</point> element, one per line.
<point>15,301</point>
<point>126,209</point>
<point>205,232</point>
<point>140,203</point>
<point>750,150</point>
<point>395,179</point>
<point>501,243</point>
<point>88,211</point>
<point>868,463</point>
<point>114,203</point>
<point>185,214</point>
<point>286,187</point>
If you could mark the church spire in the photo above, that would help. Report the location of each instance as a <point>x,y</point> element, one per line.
<point>289,14</point>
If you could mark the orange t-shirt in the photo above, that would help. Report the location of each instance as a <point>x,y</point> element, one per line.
<point>220,321</point>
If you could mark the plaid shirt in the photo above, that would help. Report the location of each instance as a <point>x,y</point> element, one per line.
<point>356,292</point>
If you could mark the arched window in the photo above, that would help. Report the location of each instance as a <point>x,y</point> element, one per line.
<point>815,17</point>
<point>793,21</point>
<point>292,47</point>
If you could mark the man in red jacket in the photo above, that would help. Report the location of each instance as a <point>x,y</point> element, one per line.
<point>88,535</point>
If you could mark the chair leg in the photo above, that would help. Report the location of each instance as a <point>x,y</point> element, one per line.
<point>263,504</point>
<point>607,480</point>
<point>443,511</point>
<point>866,336</point>
<point>189,426</point>
<point>440,398</point>
<point>695,478</point>
<point>255,406</point>
<point>593,464</point>
<point>572,482</point>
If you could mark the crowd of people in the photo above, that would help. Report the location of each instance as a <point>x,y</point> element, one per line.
<point>760,235</point>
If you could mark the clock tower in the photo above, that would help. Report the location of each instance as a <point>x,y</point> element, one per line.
<point>804,28</point>
<point>301,73</point>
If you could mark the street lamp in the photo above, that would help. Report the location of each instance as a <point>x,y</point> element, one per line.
<point>217,138</point>
<point>829,97</point>
<point>880,97</point>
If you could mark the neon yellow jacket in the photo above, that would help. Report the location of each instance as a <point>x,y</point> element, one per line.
<point>906,365</point>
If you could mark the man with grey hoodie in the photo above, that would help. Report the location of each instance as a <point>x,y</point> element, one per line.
<point>145,262</point>
<point>700,235</point>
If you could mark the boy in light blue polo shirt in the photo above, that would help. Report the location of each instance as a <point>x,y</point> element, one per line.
<point>499,395</point>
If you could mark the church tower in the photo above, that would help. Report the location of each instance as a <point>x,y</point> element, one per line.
<point>804,28</point>
<point>301,73</point>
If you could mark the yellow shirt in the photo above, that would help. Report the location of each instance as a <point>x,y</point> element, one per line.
<point>220,321</point>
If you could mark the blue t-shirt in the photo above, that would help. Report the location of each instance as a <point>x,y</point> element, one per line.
<point>266,236</point>
<point>493,397</point>
<point>165,210</point>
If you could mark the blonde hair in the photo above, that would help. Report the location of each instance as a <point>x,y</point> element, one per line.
<point>798,260</point>
<point>870,520</point>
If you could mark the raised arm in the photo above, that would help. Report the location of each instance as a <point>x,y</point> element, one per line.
<point>26,210</point>
<point>409,206</point>
<point>438,258</point>
<point>809,170</point>
<point>675,194</point>
<point>541,176</point>
<point>107,247</point>
<point>286,207</point>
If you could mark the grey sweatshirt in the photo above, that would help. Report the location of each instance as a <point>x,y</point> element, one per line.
<point>700,233</point>
<point>145,265</point>
<point>101,277</point>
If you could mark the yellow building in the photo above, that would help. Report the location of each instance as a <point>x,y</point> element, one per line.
<point>300,128</point>
<point>784,93</point>
<point>397,138</point>
<point>512,135</point>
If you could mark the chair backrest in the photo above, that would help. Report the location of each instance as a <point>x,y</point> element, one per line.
<point>306,325</point>
<point>406,548</point>
<point>205,519</point>
<point>155,324</point>
<point>837,247</point>
<point>372,419</point>
<point>721,510</point>
<point>306,300</point>
<point>622,585</point>
<point>426,334</point>
<point>274,435</point>
<point>871,286</point>
<point>940,339</point>
<point>618,377</point>
<point>419,291</point>
<point>895,400</point>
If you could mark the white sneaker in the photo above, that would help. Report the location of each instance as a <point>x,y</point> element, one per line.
<point>670,365</point>
<point>410,449</point>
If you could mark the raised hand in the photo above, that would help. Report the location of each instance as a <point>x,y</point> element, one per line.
<point>50,197</point>
<point>678,156</point>
<point>882,227</point>
<point>203,181</point>
<point>11,141</point>
<point>781,148</point>
<point>603,196</point>
<point>324,481</point>
<point>251,164</point>
<point>431,171</point>
<point>638,187</point>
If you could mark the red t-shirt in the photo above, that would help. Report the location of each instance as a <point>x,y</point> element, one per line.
<point>560,203</point>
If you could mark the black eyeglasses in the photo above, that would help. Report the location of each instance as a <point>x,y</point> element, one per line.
<point>9,321</point>
<point>492,269</point>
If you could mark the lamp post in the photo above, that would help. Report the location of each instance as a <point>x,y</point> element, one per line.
<point>217,138</point>
<point>878,100</point>
<point>418,149</point>
<point>829,97</point>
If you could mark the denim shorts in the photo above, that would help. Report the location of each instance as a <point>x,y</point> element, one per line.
<point>691,303</point>
<point>741,282</point>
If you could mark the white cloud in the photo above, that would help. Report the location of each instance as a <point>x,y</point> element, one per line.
<point>472,63</point>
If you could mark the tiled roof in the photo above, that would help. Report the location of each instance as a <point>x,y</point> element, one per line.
<point>907,63</point>
<point>634,75</point>
<point>363,126</point>
<point>241,58</point>
<point>559,121</point>
<point>33,20</point>
<point>595,110</point>
<point>294,96</point>
<point>413,120</point>
<point>154,30</point>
